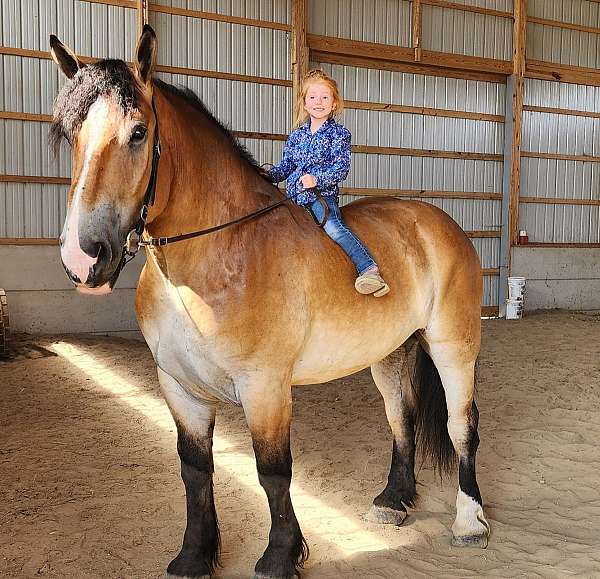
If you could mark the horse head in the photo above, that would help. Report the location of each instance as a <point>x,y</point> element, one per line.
<point>106,114</point>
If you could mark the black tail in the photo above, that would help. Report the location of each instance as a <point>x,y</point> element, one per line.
<point>431,415</point>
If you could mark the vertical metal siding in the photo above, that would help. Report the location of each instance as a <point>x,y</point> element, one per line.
<point>381,21</point>
<point>584,12</point>
<point>567,179</point>
<point>468,33</point>
<point>274,11</point>
<point>221,46</point>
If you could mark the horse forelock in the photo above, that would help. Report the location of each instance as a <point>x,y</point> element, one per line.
<point>111,78</point>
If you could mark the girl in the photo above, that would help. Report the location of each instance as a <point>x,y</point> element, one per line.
<point>317,156</point>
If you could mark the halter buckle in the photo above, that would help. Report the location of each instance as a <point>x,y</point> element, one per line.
<point>132,245</point>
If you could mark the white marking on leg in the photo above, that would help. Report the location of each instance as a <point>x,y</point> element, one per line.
<point>470,520</point>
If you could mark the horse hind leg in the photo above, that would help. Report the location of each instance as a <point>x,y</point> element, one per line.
<point>457,375</point>
<point>392,378</point>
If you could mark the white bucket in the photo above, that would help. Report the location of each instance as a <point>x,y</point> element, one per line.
<point>514,309</point>
<point>516,288</point>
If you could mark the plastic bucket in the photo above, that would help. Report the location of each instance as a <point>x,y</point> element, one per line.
<point>516,288</point>
<point>514,309</point>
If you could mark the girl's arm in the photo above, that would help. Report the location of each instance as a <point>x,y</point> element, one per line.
<point>338,169</point>
<point>282,171</point>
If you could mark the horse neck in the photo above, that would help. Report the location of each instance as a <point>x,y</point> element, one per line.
<point>202,180</point>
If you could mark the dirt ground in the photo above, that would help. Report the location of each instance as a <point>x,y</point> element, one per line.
<point>90,486</point>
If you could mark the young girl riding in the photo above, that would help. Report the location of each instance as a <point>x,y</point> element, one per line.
<point>316,158</point>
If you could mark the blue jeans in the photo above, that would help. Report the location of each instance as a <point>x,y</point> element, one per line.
<point>339,232</point>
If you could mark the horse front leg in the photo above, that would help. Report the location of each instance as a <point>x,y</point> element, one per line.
<point>268,413</point>
<point>195,421</point>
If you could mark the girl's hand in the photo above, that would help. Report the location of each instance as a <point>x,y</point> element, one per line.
<point>308,181</point>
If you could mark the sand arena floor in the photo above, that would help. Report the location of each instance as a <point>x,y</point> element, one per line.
<point>90,486</point>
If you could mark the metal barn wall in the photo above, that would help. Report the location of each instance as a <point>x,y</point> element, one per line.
<point>562,135</point>
<point>553,44</point>
<point>29,85</point>
<point>380,21</point>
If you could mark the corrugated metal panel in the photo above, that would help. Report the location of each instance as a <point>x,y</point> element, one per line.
<point>381,21</point>
<point>90,29</point>
<point>409,89</point>
<point>468,33</point>
<point>221,46</point>
<point>490,291</point>
<point>25,150</point>
<point>563,46</point>
<point>242,106</point>
<point>274,11</point>
<point>574,11</point>
<point>560,95</point>
<point>32,210</point>
<point>503,5</point>
<point>560,223</point>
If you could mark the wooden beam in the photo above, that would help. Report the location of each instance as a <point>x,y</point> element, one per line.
<point>559,201</point>
<point>489,311</point>
<point>555,111</point>
<point>563,245</point>
<point>28,241</point>
<point>35,179</point>
<point>387,52</point>
<point>519,44</point>
<point>173,10</point>
<point>411,67</point>
<point>560,157</point>
<point>417,28</point>
<point>9,115</point>
<point>553,71</point>
<point>300,53</point>
<point>564,25</point>
<point>405,152</point>
<point>491,233</point>
<point>490,271</point>
<point>421,194</point>
<point>142,15</point>
<point>468,8</point>
<point>430,112</point>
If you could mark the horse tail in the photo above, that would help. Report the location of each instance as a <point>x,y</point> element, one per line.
<point>430,415</point>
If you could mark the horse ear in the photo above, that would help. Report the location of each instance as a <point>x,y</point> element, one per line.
<point>145,54</point>
<point>64,57</point>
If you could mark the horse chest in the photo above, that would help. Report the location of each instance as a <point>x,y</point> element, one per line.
<point>182,347</point>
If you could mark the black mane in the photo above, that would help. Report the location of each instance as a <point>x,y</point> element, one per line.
<point>193,99</point>
<point>113,78</point>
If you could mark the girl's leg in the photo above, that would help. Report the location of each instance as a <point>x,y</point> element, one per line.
<point>369,280</point>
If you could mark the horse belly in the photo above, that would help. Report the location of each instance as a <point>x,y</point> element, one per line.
<point>331,355</point>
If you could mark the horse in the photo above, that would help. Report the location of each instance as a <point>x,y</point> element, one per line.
<point>245,312</point>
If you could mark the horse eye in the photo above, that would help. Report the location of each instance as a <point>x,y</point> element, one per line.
<point>138,135</point>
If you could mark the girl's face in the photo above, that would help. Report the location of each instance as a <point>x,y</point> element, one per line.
<point>319,101</point>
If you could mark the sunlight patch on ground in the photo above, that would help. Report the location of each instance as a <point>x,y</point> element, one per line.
<point>348,534</point>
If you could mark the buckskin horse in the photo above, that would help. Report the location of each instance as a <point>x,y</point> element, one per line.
<point>243,313</point>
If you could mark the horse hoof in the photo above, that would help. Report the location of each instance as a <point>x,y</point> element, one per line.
<point>385,516</point>
<point>263,576</point>
<point>475,541</point>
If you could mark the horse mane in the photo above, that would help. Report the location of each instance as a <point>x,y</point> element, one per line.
<point>113,78</point>
<point>194,100</point>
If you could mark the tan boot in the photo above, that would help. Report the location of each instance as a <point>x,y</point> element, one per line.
<point>371,283</point>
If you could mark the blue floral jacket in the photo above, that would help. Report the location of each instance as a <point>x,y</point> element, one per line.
<point>324,155</point>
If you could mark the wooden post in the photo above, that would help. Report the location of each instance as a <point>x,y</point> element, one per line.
<point>142,15</point>
<point>519,63</point>
<point>300,55</point>
<point>417,28</point>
